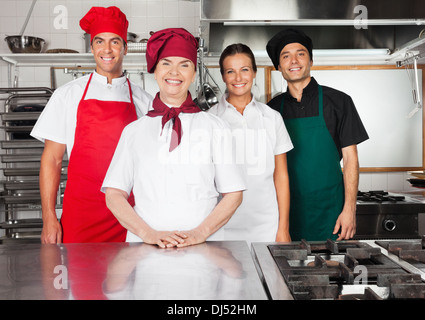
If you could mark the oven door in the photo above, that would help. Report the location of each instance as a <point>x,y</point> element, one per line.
<point>386,226</point>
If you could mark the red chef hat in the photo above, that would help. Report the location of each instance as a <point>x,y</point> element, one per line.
<point>100,19</point>
<point>171,42</point>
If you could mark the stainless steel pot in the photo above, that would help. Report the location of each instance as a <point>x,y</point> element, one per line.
<point>25,44</point>
<point>131,37</point>
<point>206,97</point>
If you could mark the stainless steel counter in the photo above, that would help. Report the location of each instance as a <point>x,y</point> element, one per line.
<point>209,271</point>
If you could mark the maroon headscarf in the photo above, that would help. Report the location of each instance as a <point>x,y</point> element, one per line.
<point>171,42</point>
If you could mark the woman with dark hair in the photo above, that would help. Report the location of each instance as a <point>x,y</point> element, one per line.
<point>261,143</point>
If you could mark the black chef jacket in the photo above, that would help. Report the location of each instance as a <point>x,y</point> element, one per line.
<point>339,112</point>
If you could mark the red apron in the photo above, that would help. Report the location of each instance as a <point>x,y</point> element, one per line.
<point>85,217</point>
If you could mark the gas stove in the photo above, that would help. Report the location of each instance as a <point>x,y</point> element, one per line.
<point>409,251</point>
<point>337,270</point>
<point>384,215</point>
<point>379,196</point>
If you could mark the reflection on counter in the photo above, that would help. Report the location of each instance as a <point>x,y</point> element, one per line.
<point>102,271</point>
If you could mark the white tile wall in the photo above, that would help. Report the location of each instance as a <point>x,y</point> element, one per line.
<point>144,16</point>
<point>45,22</point>
<point>392,181</point>
<point>57,21</point>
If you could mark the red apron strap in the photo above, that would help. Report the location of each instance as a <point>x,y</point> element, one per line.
<point>131,92</point>
<point>87,87</point>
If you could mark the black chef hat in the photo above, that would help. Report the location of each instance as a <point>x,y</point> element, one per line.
<point>280,40</point>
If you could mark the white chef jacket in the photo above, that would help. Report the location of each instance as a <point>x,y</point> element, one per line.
<point>258,135</point>
<point>58,120</point>
<point>175,190</point>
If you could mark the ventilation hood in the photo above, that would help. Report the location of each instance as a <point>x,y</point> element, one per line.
<point>314,12</point>
<point>347,26</point>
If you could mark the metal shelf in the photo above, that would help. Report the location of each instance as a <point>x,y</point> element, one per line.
<point>65,59</point>
<point>70,60</point>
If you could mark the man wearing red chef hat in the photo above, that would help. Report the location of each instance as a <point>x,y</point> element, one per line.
<point>85,117</point>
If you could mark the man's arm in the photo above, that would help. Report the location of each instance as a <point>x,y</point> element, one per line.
<point>347,219</point>
<point>281,183</point>
<point>50,175</point>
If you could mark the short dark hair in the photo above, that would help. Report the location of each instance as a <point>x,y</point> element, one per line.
<point>234,49</point>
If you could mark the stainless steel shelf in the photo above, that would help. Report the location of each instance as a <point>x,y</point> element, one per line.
<point>65,59</point>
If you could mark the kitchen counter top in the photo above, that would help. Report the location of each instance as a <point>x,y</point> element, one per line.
<point>418,195</point>
<point>208,271</point>
<point>269,272</point>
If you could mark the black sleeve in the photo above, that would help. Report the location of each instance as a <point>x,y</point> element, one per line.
<point>347,126</point>
<point>275,102</point>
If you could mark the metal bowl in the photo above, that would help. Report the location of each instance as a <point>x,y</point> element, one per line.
<point>25,44</point>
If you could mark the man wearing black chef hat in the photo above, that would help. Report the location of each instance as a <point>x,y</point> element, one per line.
<point>324,127</point>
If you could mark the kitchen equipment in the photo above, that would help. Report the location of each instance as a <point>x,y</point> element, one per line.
<point>418,174</point>
<point>131,38</point>
<point>253,23</point>
<point>334,270</point>
<point>60,50</point>
<point>28,17</point>
<point>384,215</point>
<point>20,164</point>
<point>206,97</point>
<point>411,251</point>
<point>412,72</point>
<point>417,183</point>
<point>25,44</point>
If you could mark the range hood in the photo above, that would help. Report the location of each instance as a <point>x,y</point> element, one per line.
<point>332,24</point>
<point>323,12</point>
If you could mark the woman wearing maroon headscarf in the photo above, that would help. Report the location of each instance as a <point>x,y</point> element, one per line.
<point>176,160</point>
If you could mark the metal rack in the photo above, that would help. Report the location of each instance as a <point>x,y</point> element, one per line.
<point>20,160</point>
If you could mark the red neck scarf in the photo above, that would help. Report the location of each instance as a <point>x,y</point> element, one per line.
<point>160,109</point>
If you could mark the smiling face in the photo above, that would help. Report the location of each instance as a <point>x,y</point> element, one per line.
<point>108,50</point>
<point>174,76</point>
<point>295,63</point>
<point>238,74</point>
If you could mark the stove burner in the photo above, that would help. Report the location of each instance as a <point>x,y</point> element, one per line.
<point>324,270</point>
<point>410,251</point>
<point>378,196</point>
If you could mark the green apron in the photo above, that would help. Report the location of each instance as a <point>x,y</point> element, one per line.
<point>315,178</point>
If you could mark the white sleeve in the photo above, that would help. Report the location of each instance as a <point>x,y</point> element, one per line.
<point>283,140</point>
<point>51,124</point>
<point>142,100</point>
<point>229,176</point>
<point>120,172</point>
